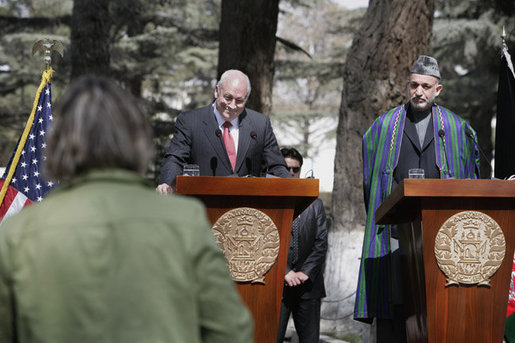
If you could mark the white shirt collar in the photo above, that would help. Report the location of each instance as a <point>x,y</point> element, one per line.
<point>220,120</point>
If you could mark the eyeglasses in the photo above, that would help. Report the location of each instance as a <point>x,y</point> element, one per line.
<point>238,101</point>
<point>294,169</point>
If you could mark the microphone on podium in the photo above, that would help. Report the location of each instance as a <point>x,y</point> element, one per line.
<point>213,163</point>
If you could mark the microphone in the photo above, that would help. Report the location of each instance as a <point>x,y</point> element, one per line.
<point>248,165</point>
<point>441,133</point>
<point>253,134</point>
<point>469,134</point>
<point>218,132</point>
<point>213,163</point>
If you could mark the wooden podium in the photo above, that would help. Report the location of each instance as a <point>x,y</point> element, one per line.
<point>279,199</point>
<point>462,312</point>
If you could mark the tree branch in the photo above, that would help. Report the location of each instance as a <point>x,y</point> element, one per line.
<point>14,24</point>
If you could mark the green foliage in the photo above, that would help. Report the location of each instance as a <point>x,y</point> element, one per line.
<point>466,41</point>
<point>18,85</point>
<point>42,8</point>
<point>51,8</point>
<point>167,51</point>
<point>196,59</point>
<point>23,71</point>
<point>467,9</point>
<point>164,50</point>
<point>307,90</point>
<point>144,53</point>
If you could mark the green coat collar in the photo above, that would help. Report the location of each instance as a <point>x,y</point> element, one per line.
<point>104,175</point>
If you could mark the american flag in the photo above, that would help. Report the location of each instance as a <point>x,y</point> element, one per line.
<point>27,184</point>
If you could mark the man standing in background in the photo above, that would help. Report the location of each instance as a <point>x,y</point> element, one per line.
<point>304,279</point>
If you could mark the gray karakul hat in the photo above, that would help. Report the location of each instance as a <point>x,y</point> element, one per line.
<point>426,65</point>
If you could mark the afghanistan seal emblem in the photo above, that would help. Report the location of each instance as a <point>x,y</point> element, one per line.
<point>469,248</point>
<point>250,242</point>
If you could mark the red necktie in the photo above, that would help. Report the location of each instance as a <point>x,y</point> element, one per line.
<point>229,144</point>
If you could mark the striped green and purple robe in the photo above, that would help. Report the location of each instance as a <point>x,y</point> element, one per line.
<point>456,156</point>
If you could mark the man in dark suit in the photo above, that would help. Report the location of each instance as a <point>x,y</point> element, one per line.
<point>223,138</point>
<point>417,134</point>
<point>304,279</point>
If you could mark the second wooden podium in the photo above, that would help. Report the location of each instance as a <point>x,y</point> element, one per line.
<point>251,220</point>
<point>457,240</point>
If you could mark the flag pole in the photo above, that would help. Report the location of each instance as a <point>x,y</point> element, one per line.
<point>45,79</point>
<point>505,52</point>
<point>47,46</point>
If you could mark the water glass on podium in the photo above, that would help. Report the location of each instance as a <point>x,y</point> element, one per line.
<point>191,170</point>
<point>416,173</point>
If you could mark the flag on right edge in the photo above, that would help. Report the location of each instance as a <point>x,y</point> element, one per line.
<point>505,127</point>
<point>504,158</point>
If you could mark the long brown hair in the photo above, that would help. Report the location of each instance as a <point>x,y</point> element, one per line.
<point>97,125</point>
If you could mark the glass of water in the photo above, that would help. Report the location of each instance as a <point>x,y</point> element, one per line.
<point>191,170</point>
<point>416,173</point>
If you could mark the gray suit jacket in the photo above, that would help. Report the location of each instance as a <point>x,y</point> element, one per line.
<point>197,139</point>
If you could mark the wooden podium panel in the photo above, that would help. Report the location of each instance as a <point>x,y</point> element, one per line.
<point>280,199</point>
<point>455,313</point>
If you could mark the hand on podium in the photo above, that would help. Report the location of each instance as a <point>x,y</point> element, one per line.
<point>165,188</point>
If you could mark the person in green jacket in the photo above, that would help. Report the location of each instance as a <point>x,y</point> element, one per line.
<point>104,258</point>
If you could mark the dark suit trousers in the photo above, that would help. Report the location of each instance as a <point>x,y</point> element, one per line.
<point>306,317</point>
<point>392,330</point>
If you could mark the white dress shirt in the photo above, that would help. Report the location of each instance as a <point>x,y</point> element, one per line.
<point>234,129</point>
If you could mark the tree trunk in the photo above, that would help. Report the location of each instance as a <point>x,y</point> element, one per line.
<point>90,38</point>
<point>247,43</point>
<point>391,37</point>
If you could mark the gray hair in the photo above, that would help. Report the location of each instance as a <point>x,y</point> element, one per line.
<point>97,125</point>
<point>231,72</point>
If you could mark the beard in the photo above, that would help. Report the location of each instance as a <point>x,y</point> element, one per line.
<point>421,106</point>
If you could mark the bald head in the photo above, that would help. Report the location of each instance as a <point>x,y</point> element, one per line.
<point>231,93</point>
<point>235,75</point>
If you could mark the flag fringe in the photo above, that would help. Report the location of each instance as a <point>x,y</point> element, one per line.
<point>45,79</point>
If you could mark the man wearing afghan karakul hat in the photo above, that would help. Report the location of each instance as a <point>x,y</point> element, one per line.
<point>418,134</point>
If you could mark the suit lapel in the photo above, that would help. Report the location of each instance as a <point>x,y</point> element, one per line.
<point>429,134</point>
<point>411,131</point>
<point>210,126</point>
<point>244,139</point>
